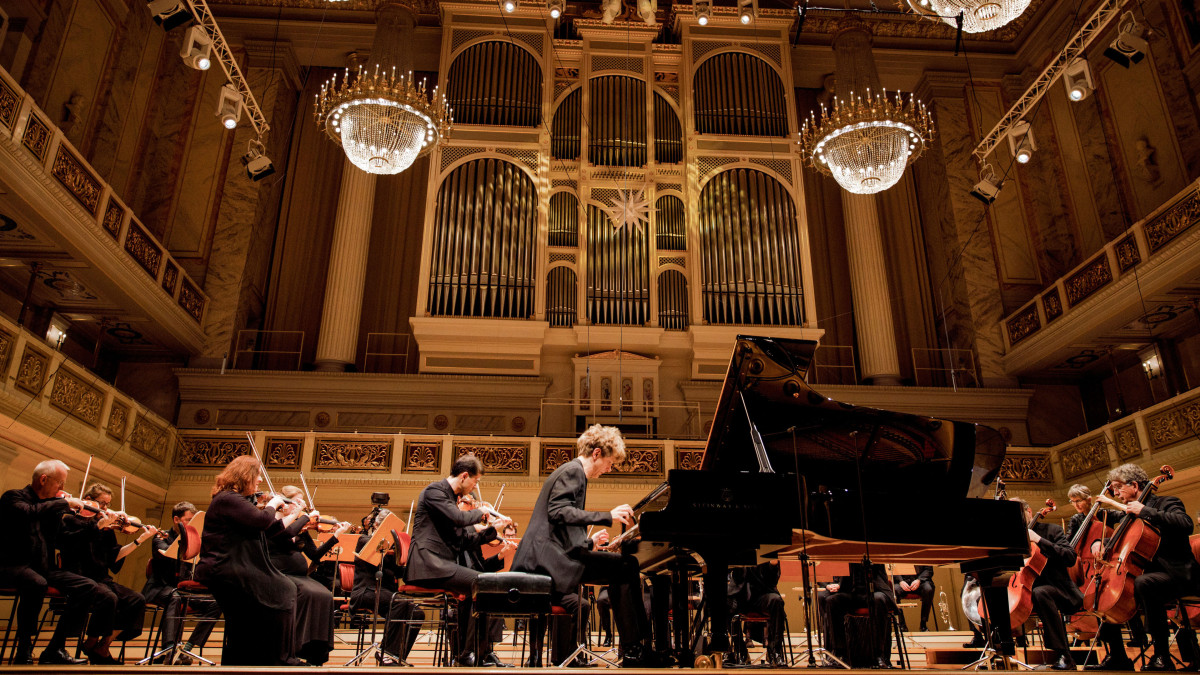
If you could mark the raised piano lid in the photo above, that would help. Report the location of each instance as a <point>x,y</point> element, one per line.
<point>831,443</point>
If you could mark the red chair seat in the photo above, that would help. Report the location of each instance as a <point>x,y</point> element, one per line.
<point>558,610</point>
<point>191,586</point>
<point>53,592</point>
<point>755,616</point>
<point>409,589</point>
<point>344,607</point>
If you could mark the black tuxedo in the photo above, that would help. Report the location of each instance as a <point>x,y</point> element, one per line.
<point>92,552</point>
<point>854,592</point>
<point>1054,592</point>
<point>556,544</point>
<point>755,589</point>
<point>1172,573</point>
<point>165,575</point>
<point>924,579</point>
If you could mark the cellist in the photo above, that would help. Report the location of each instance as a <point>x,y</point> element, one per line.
<point>1053,591</point>
<point>1171,574</point>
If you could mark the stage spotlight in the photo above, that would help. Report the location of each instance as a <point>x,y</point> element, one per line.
<point>1128,48</point>
<point>258,165</point>
<point>747,10</point>
<point>988,187</point>
<point>557,7</point>
<point>510,6</point>
<point>1077,78</point>
<point>702,10</point>
<point>197,48</point>
<point>229,107</point>
<point>169,13</point>
<point>1021,142</point>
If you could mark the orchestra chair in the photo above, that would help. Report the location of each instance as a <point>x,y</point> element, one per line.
<point>760,618</point>
<point>189,590</point>
<point>342,614</point>
<point>437,600</point>
<point>153,634</point>
<point>863,614</point>
<point>1191,601</point>
<point>10,627</point>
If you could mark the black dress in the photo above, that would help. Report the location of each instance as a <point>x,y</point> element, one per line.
<point>89,551</point>
<point>257,599</point>
<point>314,602</point>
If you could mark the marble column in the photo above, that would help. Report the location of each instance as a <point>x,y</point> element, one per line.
<point>873,324</point>
<point>249,210</point>
<point>338,339</point>
<point>337,342</point>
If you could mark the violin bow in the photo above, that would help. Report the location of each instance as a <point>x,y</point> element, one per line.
<point>123,494</point>
<point>88,470</point>
<point>306,492</point>
<point>262,465</point>
<point>500,496</point>
<point>408,526</point>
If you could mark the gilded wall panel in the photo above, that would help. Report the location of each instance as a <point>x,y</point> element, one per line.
<point>688,459</point>
<point>554,456</point>
<point>498,457</point>
<point>641,461</point>
<point>142,248</point>
<point>31,376</point>
<point>1176,424</point>
<point>113,214</point>
<point>338,455</point>
<point>1023,324</point>
<point>1052,304</point>
<point>1027,468</point>
<point>422,457</point>
<point>1093,276</point>
<point>10,104</point>
<point>209,451</point>
<point>7,342</point>
<point>1128,445</point>
<point>191,300</point>
<point>77,179</point>
<point>1168,225</point>
<point>1085,457</point>
<point>170,278</point>
<point>118,421</point>
<point>36,137</point>
<point>149,439</point>
<point>74,396</point>
<point>1127,253</point>
<point>284,453</point>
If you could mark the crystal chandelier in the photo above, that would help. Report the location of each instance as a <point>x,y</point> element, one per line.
<point>866,142</point>
<point>383,121</point>
<point>978,15</point>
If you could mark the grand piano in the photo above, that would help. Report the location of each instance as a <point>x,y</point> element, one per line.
<point>788,472</point>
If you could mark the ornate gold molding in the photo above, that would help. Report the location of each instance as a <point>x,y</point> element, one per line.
<point>10,104</point>
<point>356,455</point>
<point>149,438</point>
<point>1178,423</point>
<point>422,457</point>
<point>118,420</point>
<point>191,300</point>
<point>113,214</point>
<point>641,461</point>
<point>207,451</point>
<point>1052,304</point>
<point>688,459</point>
<point>1168,225</point>
<point>76,397</point>
<point>497,458</point>
<point>7,342</point>
<point>1093,276</point>
<point>284,453</point>
<point>143,249</point>
<point>1023,324</point>
<point>1084,457</point>
<point>1128,445</point>
<point>77,179</point>
<point>31,376</point>
<point>1127,253</point>
<point>1027,468</point>
<point>170,276</point>
<point>554,456</point>
<point>36,137</point>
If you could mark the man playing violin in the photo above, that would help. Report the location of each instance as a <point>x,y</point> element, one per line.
<point>27,563</point>
<point>165,573</point>
<point>556,544</point>
<point>403,616</point>
<point>89,547</point>
<point>474,557</point>
<point>1053,591</point>
<point>1173,572</point>
<point>438,542</point>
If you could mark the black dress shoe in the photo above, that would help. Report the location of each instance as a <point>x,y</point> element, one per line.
<point>607,641</point>
<point>467,660</point>
<point>1162,663</point>
<point>98,659</point>
<point>492,660</point>
<point>924,628</point>
<point>534,661</point>
<point>1064,662</point>
<point>59,657</point>
<point>24,655</point>
<point>776,659</point>
<point>882,663</point>
<point>385,660</point>
<point>976,642</point>
<point>1113,661</point>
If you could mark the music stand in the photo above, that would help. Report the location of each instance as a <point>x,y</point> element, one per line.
<point>372,553</point>
<point>824,573</point>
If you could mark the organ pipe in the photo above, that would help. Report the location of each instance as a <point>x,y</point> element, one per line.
<point>749,251</point>
<point>739,94</point>
<point>618,271</point>
<point>495,83</point>
<point>670,226</point>
<point>563,220</point>
<point>668,134</point>
<point>484,242</point>
<point>565,130</point>
<point>560,297</point>
<point>672,300</point>
<point>617,121</point>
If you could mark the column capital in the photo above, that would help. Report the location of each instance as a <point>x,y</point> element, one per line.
<point>274,55</point>
<point>935,84</point>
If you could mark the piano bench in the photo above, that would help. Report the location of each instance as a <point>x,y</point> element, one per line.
<point>516,593</point>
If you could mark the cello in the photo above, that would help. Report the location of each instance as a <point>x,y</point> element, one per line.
<point>1092,529</point>
<point>1020,586</point>
<point>1109,593</point>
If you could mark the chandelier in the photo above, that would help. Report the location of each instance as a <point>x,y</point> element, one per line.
<point>978,15</point>
<point>866,142</point>
<point>383,122</point>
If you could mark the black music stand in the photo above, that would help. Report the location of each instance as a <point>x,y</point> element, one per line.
<point>376,644</point>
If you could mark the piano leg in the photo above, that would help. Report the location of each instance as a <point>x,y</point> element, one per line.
<point>716,581</point>
<point>660,594</point>
<point>680,589</point>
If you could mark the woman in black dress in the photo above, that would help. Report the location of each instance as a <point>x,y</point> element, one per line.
<point>257,599</point>
<point>314,602</point>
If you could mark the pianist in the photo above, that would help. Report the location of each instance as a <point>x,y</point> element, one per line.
<point>556,544</point>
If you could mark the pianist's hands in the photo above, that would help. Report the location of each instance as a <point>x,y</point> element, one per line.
<point>623,514</point>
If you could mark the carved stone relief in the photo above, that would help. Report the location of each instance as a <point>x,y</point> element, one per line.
<point>208,451</point>
<point>7,342</point>
<point>1085,457</point>
<point>1127,442</point>
<point>1179,423</point>
<point>641,462</point>
<point>149,439</point>
<point>1052,304</point>
<point>78,180</point>
<point>554,456</point>
<point>37,137</point>
<point>191,300</point>
<point>118,420</point>
<point>76,397</point>
<point>1023,324</point>
<point>284,453</point>
<point>336,455</point>
<point>422,457</point>
<point>1090,278</point>
<point>1027,468</point>
<point>31,376</point>
<point>498,458</point>
<point>1168,225</point>
<point>113,215</point>
<point>688,458</point>
<point>9,105</point>
<point>142,249</point>
<point>1127,253</point>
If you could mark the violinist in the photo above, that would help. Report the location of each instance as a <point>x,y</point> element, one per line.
<point>34,514</point>
<point>474,540</point>
<point>556,544</point>
<point>403,616</point>
<point>257,600</point>
<point>314,602</point>
<point>438,543</point>
<point>1053,591</point>
<point>165,574</point>
<point>1171,574</point>
<point>89,547</point>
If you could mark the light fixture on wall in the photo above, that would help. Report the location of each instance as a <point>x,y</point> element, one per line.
<point>1151,365</point>
<point>987,189</point>
<point>384,121</point>
<point>556,7</point>
<point>169,13</point>
<point>1128,47</point>
<point>866,142</point>
<point>56,334</point>
<point>703,11</point>
<point>1021,142</point>
<point>1077,78</point>
<point>197,48</point>
<point>978,15</point>
<point>229,106</point>
<point>747,11</point>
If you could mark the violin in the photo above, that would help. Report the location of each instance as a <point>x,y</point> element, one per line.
<point>1020,586</point>
<point>1109,593</point>
<point>90,509</point>
<point>326,524</point>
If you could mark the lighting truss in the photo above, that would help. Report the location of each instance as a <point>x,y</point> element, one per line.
<point>224,56</point>
<point>1075,47</point>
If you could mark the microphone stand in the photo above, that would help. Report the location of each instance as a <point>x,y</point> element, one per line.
<point>375,643</point>
<point>872,612</point>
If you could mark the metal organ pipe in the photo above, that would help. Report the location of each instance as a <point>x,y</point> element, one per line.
<point>495,83</point>
<point>739,94</point>
<point>565,130</point>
